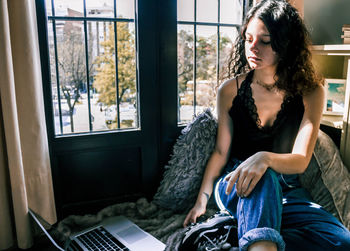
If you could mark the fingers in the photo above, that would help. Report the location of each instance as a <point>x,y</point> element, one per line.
<point>241,179</point>
<point>228,176</point>
<point>252,185</point>
<point>245,178</point>
<point>189,219</point>
<point>244,182</point>
<point>247,182</point>
<point>231,178</point>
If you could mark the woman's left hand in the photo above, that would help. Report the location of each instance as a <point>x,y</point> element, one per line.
<point>247,174</point>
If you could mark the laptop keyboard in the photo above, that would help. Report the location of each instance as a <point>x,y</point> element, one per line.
<point>100,239</point>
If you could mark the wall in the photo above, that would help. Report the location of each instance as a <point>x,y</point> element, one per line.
<point>299,4</point>
<point>325,18</point>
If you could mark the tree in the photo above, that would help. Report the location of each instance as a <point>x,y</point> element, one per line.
<point>185,59</point>
<point>206,52</point>
<point>105,78</point>
<point>72,68</point>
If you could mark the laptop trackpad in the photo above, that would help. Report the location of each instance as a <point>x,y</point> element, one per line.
<point>132,234</point>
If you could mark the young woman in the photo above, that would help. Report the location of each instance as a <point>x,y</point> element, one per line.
<point>268,120</point>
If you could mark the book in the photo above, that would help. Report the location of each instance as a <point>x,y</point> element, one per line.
<point>346,40</point>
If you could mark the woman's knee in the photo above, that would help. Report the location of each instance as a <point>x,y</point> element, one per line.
<point>269,182</point>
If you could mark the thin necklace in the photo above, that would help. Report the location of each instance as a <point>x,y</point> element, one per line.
<point>268,87</point>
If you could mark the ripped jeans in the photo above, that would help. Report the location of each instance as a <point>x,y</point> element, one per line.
<point>279,210</point>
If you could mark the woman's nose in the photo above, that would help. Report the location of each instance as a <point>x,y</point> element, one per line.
<point>254,45</point>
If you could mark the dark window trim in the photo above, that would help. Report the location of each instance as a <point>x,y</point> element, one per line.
<point>84,19</point>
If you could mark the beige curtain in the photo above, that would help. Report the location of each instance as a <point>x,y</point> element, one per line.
<point>25,174</point>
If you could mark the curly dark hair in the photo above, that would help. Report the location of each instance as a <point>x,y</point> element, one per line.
<point>289,39</point>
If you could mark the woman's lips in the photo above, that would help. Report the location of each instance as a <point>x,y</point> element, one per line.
<point>252,58</point>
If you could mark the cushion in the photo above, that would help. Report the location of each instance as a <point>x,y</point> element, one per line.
<point>183,174</point>
<point>328,180</point>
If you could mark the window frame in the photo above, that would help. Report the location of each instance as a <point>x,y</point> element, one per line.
<point>89,85</point>
<point>217,24</point>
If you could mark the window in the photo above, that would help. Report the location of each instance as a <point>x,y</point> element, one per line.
<point>92,47</point>
<point>206,31</point>
<point>106,70</point>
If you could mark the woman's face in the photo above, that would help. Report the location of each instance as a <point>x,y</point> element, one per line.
<point>258,50</point>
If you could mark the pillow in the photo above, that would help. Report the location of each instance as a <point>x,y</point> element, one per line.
<point>328,180</point>
<point>183,175</point>
<point>312,181</point>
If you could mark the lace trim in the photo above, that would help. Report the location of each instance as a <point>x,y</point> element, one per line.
<point>246,95</point>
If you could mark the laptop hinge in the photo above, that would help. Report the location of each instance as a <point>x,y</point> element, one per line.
<point>44,230</point>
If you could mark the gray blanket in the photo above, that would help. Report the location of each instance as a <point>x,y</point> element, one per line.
<point>164,224</point>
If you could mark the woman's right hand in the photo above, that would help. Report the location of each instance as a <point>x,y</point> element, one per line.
<point>193,214</point>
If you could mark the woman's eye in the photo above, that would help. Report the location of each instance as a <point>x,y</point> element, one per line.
<point>266,42</point>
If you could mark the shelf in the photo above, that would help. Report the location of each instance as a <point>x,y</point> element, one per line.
<point>333,61</point>
<point>331,49</point>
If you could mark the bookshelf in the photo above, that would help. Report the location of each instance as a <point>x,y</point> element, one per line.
<point>333,62</point>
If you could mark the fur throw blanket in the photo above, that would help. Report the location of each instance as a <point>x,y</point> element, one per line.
<point>162,223</point>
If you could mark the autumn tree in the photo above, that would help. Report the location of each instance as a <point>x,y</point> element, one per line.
<point>105,78</point>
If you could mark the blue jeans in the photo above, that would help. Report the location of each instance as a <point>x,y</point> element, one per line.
<point>280,211</point>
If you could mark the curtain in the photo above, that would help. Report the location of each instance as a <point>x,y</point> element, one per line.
<point>25,173</point>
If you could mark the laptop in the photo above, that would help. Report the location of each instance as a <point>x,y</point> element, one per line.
<point>113,233</point>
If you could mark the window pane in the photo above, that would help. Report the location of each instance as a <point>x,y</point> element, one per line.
<point>106,98</point>
<point>206,67</point>
<point>54,90</point>
<point>113,102</point>
<point>185,50</point>
<point>207,11</point>
<point>102,72</point>
<point>72,77</point>
<point>127,75</point>
<point>227,38</point>
<point>200,94</point>
<point>185,10</point>
<point>100,8</point>
<point>48,7</point>
<point>125,9</point>
<point>69,8</point>
<point>231,11</point>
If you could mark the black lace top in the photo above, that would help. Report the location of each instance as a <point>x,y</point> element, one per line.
<point>250,137</point>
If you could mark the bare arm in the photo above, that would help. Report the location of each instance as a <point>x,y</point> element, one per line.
<point>250,171</point>
<point>220,154</point>
<point>298,160</point>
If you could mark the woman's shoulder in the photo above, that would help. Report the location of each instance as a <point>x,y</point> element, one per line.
<point>315,96</point>
<point>230,87</point>
<point>316,92</point>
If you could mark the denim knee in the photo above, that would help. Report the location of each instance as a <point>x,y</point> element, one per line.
<point>261,234</point>
<point>260,214</point>
<point>263,207</point>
